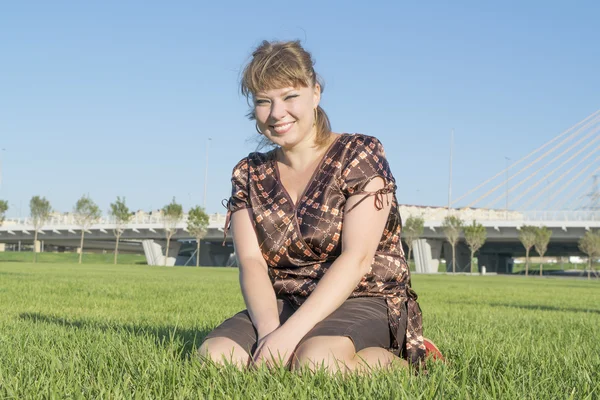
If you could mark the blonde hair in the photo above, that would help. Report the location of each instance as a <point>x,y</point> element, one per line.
<point>276,65</point>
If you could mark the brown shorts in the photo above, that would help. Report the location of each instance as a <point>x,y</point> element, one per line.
<point>362,319</point>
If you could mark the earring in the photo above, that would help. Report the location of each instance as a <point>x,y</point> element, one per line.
<point>257,129</point>
<point>316,116</point>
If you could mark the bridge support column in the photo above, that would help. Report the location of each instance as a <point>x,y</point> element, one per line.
<point>154,251</point>
<point>213,254</point>
<point>427,255</point>
<point>489,261</point>
<point>462,254</point>
<point>496,263</point>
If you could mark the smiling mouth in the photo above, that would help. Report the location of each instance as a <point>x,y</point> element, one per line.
<point>282,128</point>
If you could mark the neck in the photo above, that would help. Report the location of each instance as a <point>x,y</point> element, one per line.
<point>301,155</point>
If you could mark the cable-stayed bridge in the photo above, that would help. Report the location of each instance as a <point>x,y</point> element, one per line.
<point>556,185</point>
<point>560,175</point>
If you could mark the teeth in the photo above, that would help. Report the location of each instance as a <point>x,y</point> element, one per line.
<point>282,128</point>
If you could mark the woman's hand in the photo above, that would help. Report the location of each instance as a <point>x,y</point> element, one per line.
<point>265,330</point>
<point>276,348</point>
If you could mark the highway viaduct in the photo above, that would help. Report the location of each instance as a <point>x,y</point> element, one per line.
<point>145,234</point>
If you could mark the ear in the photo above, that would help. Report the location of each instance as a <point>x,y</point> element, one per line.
<point>316,95</point>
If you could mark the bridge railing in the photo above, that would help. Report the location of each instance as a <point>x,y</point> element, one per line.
<point>433,214</point>
<point>482,214</point>
<point>69,219</point>
<point>562,215</point>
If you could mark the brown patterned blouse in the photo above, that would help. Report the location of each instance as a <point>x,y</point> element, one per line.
<point>300,241</point>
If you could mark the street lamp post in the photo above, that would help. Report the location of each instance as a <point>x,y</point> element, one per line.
<point>206,174</point>
<point>506,179</point>
<point>450,172</point>
<point>1,151</point>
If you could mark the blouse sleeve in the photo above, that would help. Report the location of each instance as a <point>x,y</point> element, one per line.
<point>240,198</point>
<point>365,162</point>
<point>239,188</point>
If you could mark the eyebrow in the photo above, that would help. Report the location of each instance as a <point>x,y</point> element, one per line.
<point>262,94</point>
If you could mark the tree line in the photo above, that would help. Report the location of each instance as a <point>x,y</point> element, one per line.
<point>475,236</point>
<point>86,213</point>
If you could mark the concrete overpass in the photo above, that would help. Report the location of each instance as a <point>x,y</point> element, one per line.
<point>145,234</point>
<point>502,243</point>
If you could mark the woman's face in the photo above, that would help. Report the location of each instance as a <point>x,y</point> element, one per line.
<point>286,116</point>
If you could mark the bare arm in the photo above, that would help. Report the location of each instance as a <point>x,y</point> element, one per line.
<point>254,279</point>
<point>363,228</point>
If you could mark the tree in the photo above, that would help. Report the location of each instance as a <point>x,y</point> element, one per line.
<point>120,212</point>
<point>542,238</point>
<point>86,213</point>
<point>3,209</point>
<point>475,236</point>
<point>527,238</point>
<point>590,245</point>
<point>411,231</point>
<point>40,213</point>
<point>452,227</point>
<point>172,214</point>
<point>197,225</point>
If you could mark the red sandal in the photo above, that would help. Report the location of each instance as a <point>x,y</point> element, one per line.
<point>431,350</point>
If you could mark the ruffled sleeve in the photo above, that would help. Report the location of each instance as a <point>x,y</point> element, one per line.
<point>240,198</point>
<point>366,161</point>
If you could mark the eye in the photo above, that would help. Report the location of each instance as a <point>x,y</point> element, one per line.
<point>261,101</point>
<point>291,96</point>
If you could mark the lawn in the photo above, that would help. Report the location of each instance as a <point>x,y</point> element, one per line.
<point>130,331</point>
<point>70,258</point>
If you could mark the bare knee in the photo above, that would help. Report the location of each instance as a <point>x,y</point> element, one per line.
<point>333,353</point>
<point>223,351</point>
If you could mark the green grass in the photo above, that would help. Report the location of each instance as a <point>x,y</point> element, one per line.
<point>66,258</point>
<point>534,268</point>
<point>104,331</point>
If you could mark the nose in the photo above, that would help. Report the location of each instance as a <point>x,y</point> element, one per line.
<point>278,111</point>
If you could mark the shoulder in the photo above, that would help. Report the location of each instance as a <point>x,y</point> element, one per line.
<point>356,141</point>
<point>253,159</point>
<point>364,158</point>
<point>241,168</point>
<point>361,146</point>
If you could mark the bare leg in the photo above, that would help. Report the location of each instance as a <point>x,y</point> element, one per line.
<point>376,358</point>
<point>224,351</point>
<point>337,354</point>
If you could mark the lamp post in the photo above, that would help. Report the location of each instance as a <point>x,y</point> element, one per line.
<point>206,174</point>
<point>1,151</point>
<point>450,172</point>
<point>506,184</point>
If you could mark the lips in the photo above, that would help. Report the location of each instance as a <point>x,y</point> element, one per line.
<point>282,128</point>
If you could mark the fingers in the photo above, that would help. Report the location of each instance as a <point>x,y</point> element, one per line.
<point>264,355</point>
<point>257,356</point>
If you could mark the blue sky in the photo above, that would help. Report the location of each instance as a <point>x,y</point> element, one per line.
<point>119,98</point>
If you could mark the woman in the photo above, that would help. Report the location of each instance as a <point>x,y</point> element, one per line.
<point>316,230</point>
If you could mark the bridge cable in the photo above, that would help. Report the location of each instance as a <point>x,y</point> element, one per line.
<point>570,199</point>
<point>564,187</point>
<point>555,169</point>
<point>593,116</point>
<point>546,165</point>
<point>581,204</point>
<point>538,194</point>
<point>533,163</point>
